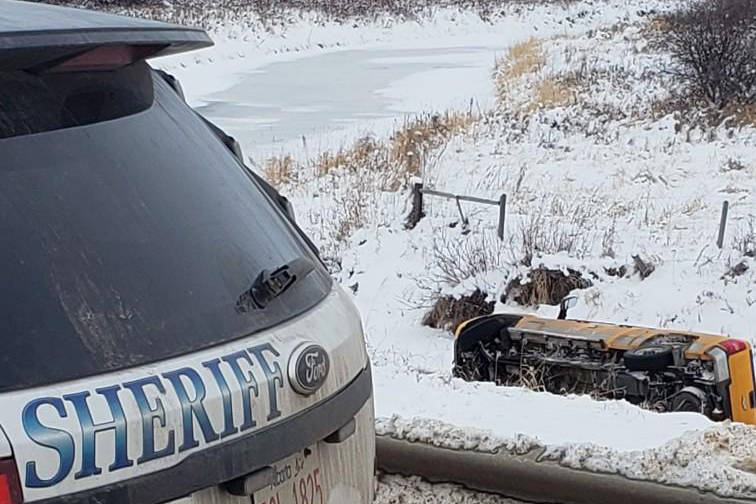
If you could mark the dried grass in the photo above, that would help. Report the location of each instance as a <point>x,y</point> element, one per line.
<point>404,155</point>
<point>655,27</point>
<point>411,145</point>
<point>524,58</point>
<point>745,238</point>
<point>280,171</point>
<point>212,13</point>
<point>741,114</point>
<point>524,65</point>
<point>552,92</point>
<point>733,164</point>
<point>555,226</point>
<point>366,152</point>
<point>357,176</point>
<point>530,376</point>
<point>456,260</point>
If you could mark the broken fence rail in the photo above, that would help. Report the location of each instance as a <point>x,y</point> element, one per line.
<point>417,212</point>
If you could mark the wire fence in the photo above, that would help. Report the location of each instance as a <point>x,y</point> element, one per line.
<point>418,212</point>
<point>419,192</point>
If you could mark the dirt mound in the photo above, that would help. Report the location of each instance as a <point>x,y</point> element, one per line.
<point>546,286</point>
<point>448,312</point>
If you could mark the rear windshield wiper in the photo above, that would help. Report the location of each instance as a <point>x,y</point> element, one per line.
<point>270,284</point>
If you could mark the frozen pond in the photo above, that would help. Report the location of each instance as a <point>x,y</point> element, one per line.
<point>274,106</point>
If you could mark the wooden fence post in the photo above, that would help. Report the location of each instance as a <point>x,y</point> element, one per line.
<point>723,223</point>
<point>502,215</point>
<point>416,213</point>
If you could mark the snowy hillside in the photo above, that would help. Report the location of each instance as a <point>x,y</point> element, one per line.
<point>582,131</point>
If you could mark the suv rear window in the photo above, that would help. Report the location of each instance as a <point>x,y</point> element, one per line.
<point>130,240</point>
<point>34,103</point>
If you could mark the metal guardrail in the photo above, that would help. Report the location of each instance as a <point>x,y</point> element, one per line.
<point>526,477</point>
<point>417,212</point>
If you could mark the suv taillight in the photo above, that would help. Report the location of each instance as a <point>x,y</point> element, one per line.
<point>733,346</point>
<point>10,486</point>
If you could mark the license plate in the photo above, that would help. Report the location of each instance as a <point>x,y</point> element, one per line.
<point>298,480</point>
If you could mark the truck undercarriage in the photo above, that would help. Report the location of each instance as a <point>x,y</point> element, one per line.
<point>657,376</point>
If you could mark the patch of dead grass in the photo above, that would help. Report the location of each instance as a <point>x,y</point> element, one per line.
<point>410,145</point>
<point>552,92</point>
<point>365,152</point>
<point>355,177</point>
<point>522,59</point>
<point>527,60</point>
<point>742,115</point>
<point>280,171</point>
<point>403,155</point>
<point>655,26</point>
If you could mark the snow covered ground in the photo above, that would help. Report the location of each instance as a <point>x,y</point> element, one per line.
<point>434,64</point>
<point>596,170</point>
<point>401,490</point>
<point>720,459</point>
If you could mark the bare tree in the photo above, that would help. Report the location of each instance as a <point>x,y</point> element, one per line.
<point>714,45</point>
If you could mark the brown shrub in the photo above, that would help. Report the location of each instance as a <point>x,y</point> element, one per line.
<point>448,312</point>
<point>457,260</point>
<point>713,43</point>
<point>546,286</point>
<point>642,267</point>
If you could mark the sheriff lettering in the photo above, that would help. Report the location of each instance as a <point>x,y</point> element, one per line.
<point>238,381</point>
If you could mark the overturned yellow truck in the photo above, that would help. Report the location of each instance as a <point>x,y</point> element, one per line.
<point>661,369</point>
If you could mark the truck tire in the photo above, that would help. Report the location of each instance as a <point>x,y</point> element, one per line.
<point>691,399</point>
<point>651,358</point>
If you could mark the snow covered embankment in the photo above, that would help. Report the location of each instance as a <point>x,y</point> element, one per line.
<point>598,167</point>
<point>605,161</point>
<point>721,459</point>
<point>401,490</point>
<point>639,185</point>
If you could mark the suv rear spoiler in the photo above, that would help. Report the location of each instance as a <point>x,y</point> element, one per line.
<point>34,35</point>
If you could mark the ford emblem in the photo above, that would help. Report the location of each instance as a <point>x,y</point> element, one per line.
<point>308,368</point>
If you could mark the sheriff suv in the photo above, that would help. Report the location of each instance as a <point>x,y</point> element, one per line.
<point>169,334</point>
<point>664,369</point>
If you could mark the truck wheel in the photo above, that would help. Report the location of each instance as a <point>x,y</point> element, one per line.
<point>651,358</point>
<point>691,399</point>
